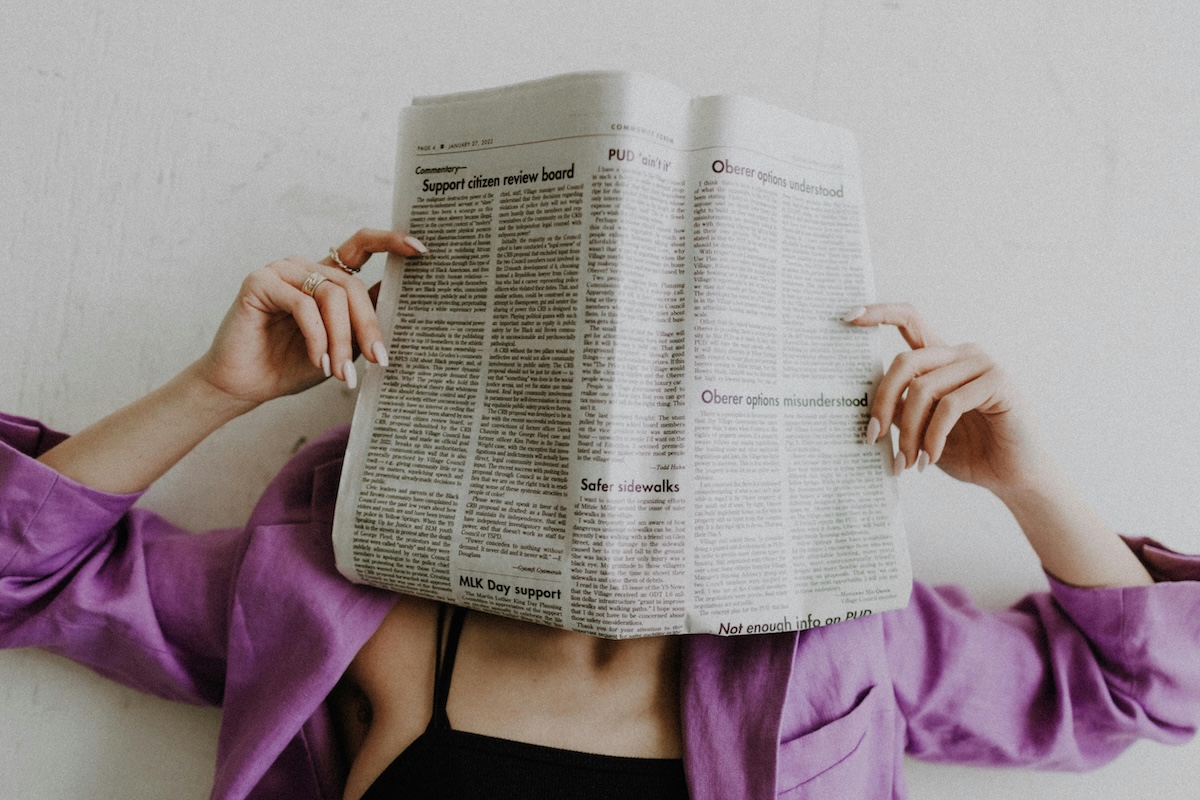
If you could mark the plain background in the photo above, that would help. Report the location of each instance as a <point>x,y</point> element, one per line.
<point>1030,171</point>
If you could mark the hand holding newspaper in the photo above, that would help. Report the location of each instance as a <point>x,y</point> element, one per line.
<point>621,400</point>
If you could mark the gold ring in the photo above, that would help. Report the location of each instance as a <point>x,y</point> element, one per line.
<point>337,259</point>
<point>314,279</point>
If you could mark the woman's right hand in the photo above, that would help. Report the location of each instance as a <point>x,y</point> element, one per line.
<point>277,339</point>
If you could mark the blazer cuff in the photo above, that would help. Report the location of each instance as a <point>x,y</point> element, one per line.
<point>1162,563</point>
<point>43,513</point>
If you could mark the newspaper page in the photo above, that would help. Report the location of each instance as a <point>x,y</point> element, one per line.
<point>621,400</point>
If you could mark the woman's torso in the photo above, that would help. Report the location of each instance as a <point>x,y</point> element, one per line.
<point>511,680</point>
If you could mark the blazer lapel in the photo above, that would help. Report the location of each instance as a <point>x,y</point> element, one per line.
<point>733,689</point>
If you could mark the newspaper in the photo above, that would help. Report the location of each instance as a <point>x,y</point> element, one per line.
<point>621,400</point>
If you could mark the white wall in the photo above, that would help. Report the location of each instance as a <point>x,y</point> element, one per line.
<point>1031,171</point>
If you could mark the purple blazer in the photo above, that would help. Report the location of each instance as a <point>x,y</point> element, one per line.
<point>257,620</point>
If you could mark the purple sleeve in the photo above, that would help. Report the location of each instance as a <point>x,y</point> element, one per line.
<point>1063,680</point>
<point>120,590</point>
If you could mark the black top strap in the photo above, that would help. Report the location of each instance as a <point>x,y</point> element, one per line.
<point>444,665</point>
<point>443,762</point>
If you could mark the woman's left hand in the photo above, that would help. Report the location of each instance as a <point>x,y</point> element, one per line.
<point>953,406</point>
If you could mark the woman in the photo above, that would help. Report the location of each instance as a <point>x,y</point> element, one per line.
<point>336,690</point>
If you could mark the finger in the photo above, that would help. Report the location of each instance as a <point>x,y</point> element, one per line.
<point>904,368</point>
<point>335,297</point>
<point>980,393</point>
<point>361,305</point>
<point>355,251</point>
<point>335,312</point>
<point>912,326</point>
<point>378,349</point>
<point>925,393</point>
<point>276,294</point>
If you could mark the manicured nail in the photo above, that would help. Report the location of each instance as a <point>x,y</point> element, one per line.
<point>872,430</point>
<point>855,314</point>
<point>900,464</point>
<point>351,375</point>
<point>325,365</point>
<point>922,461</point>
<point>415,244</point>
<point>380,353</point>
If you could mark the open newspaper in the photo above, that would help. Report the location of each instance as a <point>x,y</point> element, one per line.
<point>621,400</point>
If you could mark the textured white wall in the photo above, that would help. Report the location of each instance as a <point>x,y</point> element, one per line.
<point>1031,174</point>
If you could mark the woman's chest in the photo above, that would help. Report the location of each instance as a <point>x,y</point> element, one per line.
<point>504,681</point>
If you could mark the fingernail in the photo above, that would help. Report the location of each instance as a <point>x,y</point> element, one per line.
<point>351,375</point>
<point>855,314</point>
<point>380,353</point>
<point>872,430</point>
<point>325,365</point>
<point>415,244</point>
<point>922,461</point>
<point>900,464</point>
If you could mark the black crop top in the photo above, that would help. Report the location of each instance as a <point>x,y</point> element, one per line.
<point>445,763</point>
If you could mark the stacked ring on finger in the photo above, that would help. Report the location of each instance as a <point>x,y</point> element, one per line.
<point>314,279</point>
<point>337,259</point>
